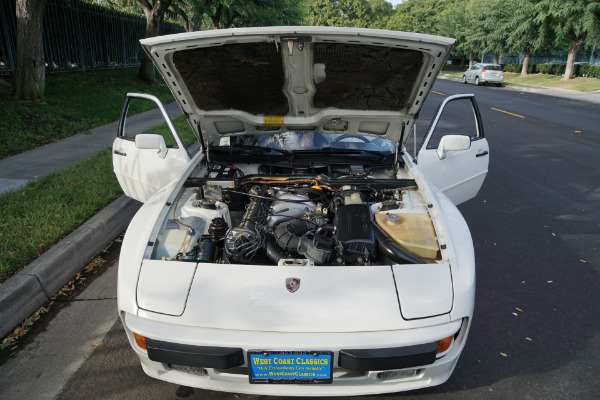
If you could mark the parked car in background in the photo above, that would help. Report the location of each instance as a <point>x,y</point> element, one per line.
<point>480,74</point>
<point>302,251</point>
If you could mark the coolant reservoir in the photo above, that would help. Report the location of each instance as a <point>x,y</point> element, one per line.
<point>412,232</point>
<point>207,209</point>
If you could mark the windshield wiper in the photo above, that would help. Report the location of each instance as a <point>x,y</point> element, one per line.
<point>250,149</point>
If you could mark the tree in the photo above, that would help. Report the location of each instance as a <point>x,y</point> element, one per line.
<point>524,31</point>
<point>154,10</point>
<point>349,13</point>
<point>30,69</point>
<point>417,16</point>
<point>452,22</point>
<point>570,21</point>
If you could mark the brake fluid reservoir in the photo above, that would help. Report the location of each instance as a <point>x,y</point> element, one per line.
<point>207,209</point>
<point>412,232</point>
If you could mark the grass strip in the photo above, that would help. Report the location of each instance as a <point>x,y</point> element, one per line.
<point>578,83</point>
<point>182,127</point>
<point>75,102</point>
<point>36,216</point>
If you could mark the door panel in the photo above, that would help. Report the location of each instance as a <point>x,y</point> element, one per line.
<point>458,174</point>
<point>143,172</point>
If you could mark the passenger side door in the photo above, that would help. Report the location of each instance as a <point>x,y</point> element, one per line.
<point>454,155</point>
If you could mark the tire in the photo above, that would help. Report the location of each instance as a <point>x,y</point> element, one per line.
<point>464,79</point>
<point>499,84</point>
<point>477,81</point>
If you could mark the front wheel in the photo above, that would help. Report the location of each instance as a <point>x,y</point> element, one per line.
<point>464,79</point>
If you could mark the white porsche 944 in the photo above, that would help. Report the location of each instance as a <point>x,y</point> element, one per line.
<point>301,250</point>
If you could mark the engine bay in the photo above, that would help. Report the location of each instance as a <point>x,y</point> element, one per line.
<point>298,219</point>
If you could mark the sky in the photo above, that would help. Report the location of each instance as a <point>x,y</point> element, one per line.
<point>394,2</point>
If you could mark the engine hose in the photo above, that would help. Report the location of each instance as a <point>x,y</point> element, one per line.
<point>273,252</point>
<point>391,250</point>
<point>288,235</point>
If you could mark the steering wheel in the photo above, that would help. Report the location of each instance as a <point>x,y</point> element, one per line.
<point>346,136</point>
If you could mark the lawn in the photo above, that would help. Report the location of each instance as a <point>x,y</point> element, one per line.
<point>577,83</point>
<point>75,102</point>
<point>36,216</point>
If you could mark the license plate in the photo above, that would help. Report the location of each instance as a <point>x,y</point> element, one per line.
<point>301,367</point>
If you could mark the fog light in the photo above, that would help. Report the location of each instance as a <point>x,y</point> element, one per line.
<point>397,374</point>
<point>140,340</point>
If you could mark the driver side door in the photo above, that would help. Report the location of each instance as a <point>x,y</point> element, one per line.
<point>145,162</point>
<point>454,155</point>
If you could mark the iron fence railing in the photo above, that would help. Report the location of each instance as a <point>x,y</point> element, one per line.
<point>79,36</point>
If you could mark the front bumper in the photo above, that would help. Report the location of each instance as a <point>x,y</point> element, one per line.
<point>407,353</point>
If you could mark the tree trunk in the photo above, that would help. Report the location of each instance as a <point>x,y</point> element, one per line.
<point>30,70</point>
<point>525,66</point>
<point>576,42</point>
<point>497,58</point>
<point>471,59</point>
<point>154,16</point>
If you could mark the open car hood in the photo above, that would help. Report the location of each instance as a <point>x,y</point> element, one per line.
<point>334,80</point>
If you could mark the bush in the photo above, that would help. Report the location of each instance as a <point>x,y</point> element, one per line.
<point>591,71</point>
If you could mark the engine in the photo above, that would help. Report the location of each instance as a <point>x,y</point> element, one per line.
<point>299,222</point>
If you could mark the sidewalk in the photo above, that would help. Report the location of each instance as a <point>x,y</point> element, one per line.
<point>17,170</point>
<point>29,289</point>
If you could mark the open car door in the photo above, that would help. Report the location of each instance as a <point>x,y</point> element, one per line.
<point>454,155</point>
<point>146,162</point>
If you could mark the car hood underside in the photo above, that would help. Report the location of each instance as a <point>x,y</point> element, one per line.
<point>341,80</point>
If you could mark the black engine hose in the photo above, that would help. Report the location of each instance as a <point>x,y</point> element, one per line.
<point>391,250</point>
<point>289,234</point>
<point>274,252</point>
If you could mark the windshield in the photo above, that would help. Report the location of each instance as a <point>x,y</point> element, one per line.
<point>298,141</point>
<point>493,67</point>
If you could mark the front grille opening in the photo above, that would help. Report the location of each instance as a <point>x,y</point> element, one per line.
<point>198,371</point>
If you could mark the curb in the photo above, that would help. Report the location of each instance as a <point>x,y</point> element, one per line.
<point>24,293</point>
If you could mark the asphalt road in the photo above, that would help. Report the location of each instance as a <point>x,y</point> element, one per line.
<point>536,230</point>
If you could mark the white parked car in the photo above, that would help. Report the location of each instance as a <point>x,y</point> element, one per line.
<point>302,251</point>
<point>480,74</point>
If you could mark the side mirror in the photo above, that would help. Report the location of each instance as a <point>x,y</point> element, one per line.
<point>453,143</point>
<point>151,141</point>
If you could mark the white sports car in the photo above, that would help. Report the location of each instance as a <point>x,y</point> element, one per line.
<point>301,250</point>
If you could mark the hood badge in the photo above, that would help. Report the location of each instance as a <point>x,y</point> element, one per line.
<point>292,284</point>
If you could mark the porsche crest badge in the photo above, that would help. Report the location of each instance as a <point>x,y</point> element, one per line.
<point>292,284</point>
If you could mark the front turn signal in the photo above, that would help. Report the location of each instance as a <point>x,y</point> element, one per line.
<point>141,341</point>
<point>444,344</point>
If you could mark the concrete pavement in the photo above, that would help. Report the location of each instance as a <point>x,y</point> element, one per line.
<point>17,170</point>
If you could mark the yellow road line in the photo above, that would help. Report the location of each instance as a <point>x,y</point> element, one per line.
<point>506,112</point>
<point>443,94</point>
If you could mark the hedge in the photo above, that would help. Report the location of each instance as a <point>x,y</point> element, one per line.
<point>592,71</point>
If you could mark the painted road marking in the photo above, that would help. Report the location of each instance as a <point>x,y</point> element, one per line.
<point>443,94</point>
<point>506,112</point>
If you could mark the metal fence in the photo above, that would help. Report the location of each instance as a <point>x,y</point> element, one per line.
<point>79,36</point>
<point>546,57</point>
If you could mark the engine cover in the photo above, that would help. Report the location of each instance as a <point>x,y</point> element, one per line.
<point>355,233</point>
